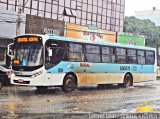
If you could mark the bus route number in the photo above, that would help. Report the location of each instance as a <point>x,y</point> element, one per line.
<point>124,68</point>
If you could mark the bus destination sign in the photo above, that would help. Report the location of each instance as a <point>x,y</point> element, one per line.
<point>27,39</point>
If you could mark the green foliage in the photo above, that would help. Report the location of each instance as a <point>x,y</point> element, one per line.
<point>145,28</point>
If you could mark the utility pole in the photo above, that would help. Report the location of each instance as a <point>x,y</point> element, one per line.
<point>18,20</point>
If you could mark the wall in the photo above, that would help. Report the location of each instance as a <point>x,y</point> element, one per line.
<point>40,25</point>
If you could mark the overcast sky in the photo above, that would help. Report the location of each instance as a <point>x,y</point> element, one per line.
<point>139,5</point>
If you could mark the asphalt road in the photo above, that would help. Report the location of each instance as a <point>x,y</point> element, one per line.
<point>90,102</point>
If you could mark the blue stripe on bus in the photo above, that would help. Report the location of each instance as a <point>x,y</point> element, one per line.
<point>100,68</point>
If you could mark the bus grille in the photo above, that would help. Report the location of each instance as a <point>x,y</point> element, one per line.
<point>24,75</point>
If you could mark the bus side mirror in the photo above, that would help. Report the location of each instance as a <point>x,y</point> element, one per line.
<point>10,51</point>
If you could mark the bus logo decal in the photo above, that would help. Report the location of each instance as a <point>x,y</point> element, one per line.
<point>86,65</point>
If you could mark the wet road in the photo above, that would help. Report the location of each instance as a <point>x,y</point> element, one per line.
<point>95,99</point>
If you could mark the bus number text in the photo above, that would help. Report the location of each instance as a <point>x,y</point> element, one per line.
<point>124,68</point>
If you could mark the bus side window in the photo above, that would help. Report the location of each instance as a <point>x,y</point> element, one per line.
<point>141,57</point>
<point>131,56</point>
<point>112,53</point>
<point>150,57</point>
<point>120,55</point>
<point>75,52</point>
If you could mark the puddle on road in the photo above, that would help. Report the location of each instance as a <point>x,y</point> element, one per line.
<point>104,98</point>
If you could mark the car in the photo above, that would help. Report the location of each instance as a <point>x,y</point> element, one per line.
<point>5,73</point>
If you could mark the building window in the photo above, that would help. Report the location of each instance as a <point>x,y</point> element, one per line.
<point>89,8</point>
<point>54,8</point>
<point>34,12</point>
<point>9,1</point>
<point>95,2</point>
<point>74,13</point>
<point>48,15</point>
<point>85,12</point>
<point>34,4</point>
<point>67,12</point>
<point>48,7</point>
<point>3,6</point>
<point>41,6</point>
<point>4,1</point>
<point>11,7</point>
<point>70,12</point>
<point>67,3</point>
<point>73,4</point>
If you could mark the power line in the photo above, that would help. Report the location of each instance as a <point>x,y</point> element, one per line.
<point>7,13</point>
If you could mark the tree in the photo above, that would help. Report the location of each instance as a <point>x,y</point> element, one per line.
<point>143,27</point>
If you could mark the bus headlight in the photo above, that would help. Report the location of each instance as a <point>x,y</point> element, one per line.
<point>36,74</point>
<point>13,74</point>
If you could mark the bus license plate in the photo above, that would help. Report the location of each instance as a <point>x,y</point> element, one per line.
<point>20,80</point>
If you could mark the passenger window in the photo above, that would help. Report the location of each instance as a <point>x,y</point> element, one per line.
<point>150,58</point>
<point>93,53</point>
<point>54,53</point>
<point>120,55</point>
<point>106,57</point>
<point>131,56</point>
<point>75,52</point>
<point>141,57</point>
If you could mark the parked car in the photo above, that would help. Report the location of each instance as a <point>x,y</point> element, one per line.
<point>5,73</point>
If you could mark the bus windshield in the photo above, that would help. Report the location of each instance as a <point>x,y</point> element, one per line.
<point>28,55</point>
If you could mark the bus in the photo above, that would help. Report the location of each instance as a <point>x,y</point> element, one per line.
<point>50,60</point>
<point>5,70</point>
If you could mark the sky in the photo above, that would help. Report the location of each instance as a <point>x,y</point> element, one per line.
<point>140,5</point>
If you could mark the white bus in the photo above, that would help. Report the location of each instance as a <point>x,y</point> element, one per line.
<point>49,60</point>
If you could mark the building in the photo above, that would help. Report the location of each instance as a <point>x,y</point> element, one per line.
<point>105,14</point>
<point>81,19</point>
<point>153,15</point>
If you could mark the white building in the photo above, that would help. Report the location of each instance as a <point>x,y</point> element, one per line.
<point>153,15</point>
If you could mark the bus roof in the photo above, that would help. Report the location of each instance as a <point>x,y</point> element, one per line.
<point>97,43</point>
<point>52,36</point>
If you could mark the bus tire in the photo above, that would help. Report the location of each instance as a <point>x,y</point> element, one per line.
<point>69,83</point>
<point>128,81</point>
<point>1,85</point>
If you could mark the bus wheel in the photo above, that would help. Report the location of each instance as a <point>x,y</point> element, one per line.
<point>69,84</point>
<point>128,81</point>
<point>1,85</point>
